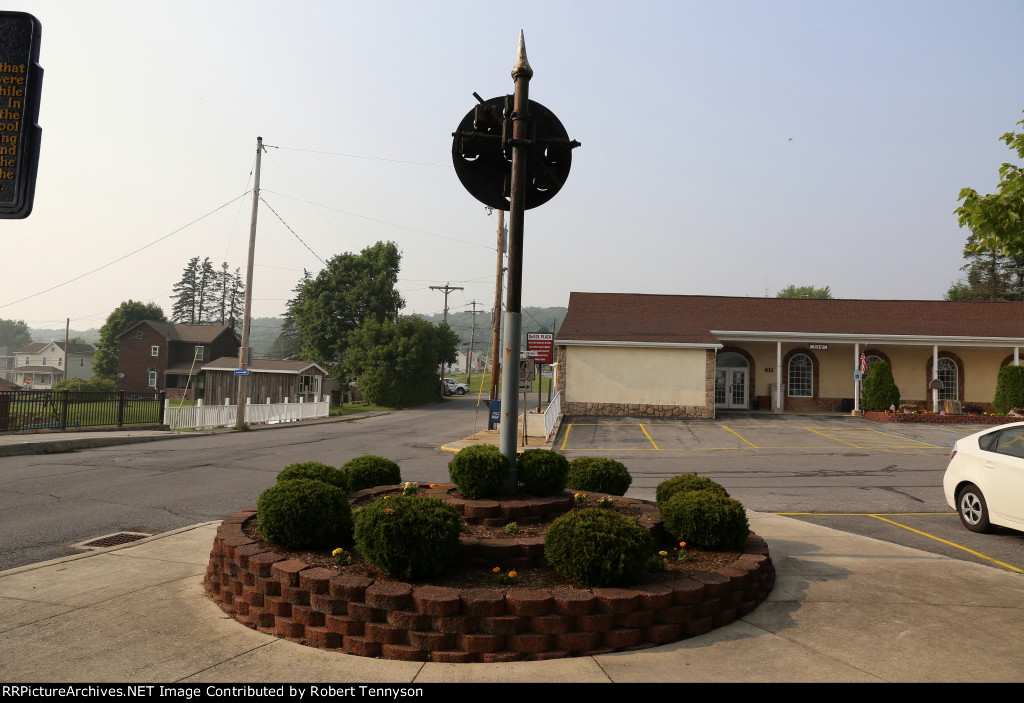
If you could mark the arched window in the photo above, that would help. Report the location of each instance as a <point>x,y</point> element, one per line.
<point>948,376</point>
<point>801,376</point>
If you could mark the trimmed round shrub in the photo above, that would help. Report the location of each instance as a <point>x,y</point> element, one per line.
<point>598,548</point>
<point>587,473</point>
<point>316,471</point>
<point>480,471</point>
<point>706,519</point>
<point>1009,389</point>
<point>683,484</point>
<point>409,537</point>
<point>369,471</point>
<point>542,472</point>
<point>303,513</point>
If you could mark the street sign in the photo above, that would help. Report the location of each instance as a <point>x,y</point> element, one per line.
<point>541,347</point>
<point>241,372</point>
<point>21,80</point>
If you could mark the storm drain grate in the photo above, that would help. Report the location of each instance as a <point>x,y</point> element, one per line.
<point>113,540</point>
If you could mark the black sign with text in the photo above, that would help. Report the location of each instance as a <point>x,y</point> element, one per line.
<point>21,80</point>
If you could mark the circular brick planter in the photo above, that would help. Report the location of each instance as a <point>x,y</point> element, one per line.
<point>394,620</point>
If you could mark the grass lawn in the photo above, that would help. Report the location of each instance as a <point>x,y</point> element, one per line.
<point>352,408</point>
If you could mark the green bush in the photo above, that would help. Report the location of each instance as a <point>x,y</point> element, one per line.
<point>1009,389</point>
<point>316,471</point>
<point>588,473</point>
<point>683,484</point>
<point>369,471</point>
<point>409,537</point>
<point>303,513</point>
<point>706,519</point>
<point>878,391</point>
<point>480,471</point>
<point>542,472</point>
<point>598,548</point>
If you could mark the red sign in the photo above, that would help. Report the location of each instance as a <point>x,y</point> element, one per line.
<point>541,347</point>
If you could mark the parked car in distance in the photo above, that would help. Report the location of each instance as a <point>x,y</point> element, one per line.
<point>453,387</point>
<point>984,481</point>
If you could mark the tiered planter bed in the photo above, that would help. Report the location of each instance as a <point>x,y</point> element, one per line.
<point>354,614</point>
<point>948,419</point>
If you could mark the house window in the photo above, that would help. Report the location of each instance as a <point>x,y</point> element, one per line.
<point>81,362</point>
<point>309,384</point>
<point>801,376</point>
<point>154,351</point>
<point>152,379</point>
<point>44,361</point>
<point>948,376</point>
<point>138,335</point>
<point>27,362</point>
<point>199,352</point>
<point>60,361</point>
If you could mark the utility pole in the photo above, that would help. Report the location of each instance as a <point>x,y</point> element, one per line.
<point>447,289</point>
<point>472,341</point>
<point>499,278</point>
<point>243,351</point>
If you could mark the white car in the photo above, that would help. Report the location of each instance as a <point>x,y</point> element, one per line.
<point>453,387</point>
<point>984,481</point>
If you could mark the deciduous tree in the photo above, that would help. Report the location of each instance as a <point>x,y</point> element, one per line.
<point>396,361</point>
<point>126,315</point>
<point>348,291</point>
<point>805,292</point>
<point>997,220</point>
<point>14,334</point>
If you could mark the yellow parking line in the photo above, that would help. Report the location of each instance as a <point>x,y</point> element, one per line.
<point>726,427</point>
<point>952,544</point>
<point>648,436</point>
<point>923,534</point>
<point>836,439</point>
<point>565,439</point>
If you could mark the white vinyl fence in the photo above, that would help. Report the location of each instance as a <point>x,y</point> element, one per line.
<point>552,414</point>
<point>198,417</point>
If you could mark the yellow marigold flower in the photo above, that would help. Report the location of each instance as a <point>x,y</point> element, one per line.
<point>337,551</point>
<point>496,570</point>
<point>512,574</point>
<point>663,554</point>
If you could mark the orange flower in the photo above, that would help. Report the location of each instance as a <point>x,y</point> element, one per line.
<point>388,510</point>
<point>433,485</point>
<point>512,574</point>
<point>496,570</point>
<point>683,545</point>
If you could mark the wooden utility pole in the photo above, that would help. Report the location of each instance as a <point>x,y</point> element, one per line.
<point>243,351</point>
<point>447,289</point>
<point>499,278</point>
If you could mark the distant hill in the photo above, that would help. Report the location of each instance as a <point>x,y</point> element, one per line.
<point>534,320</point>
<point>90,336</point>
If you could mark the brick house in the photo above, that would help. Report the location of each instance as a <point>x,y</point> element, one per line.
<point>40,365</point>
<point>622,354</point>
<point>169,357</point>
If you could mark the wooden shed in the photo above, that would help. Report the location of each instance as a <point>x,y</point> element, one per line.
<point>275,379</point>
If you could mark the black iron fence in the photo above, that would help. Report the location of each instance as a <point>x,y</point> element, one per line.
<point>66,410</point>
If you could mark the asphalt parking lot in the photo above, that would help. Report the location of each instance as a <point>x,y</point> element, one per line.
<point>878,480</point>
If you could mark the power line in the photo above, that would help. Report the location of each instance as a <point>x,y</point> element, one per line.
<point>122,258</point>
<point>293,232</point>
<point>382,222</point>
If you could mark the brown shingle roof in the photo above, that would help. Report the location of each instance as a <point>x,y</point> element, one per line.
<point>691,319</point>
<point>73,348</point>
<point>228,363</point>
<point>202,334</point>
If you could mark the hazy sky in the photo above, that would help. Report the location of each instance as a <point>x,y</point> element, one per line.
<point>729,148</point>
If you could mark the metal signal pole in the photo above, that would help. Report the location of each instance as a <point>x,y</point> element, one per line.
<point>243,351</point>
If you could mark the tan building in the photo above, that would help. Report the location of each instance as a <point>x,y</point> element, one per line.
<point>623,354</point>
<point>42,364</point>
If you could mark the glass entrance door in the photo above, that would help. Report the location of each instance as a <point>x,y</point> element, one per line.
<point>731,388</point>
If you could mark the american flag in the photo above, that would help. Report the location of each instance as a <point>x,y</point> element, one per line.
<point>863,364</point>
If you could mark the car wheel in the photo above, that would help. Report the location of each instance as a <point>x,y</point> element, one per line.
<point>461,391</point>
<point>973,509</point>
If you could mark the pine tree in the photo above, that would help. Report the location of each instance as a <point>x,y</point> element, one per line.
<point>879,391</point>
<point>186,295</point>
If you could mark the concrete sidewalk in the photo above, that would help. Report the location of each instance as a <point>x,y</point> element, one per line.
<point>844,608</point>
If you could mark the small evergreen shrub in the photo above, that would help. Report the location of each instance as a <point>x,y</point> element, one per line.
<point>302,513</point>
<point>684,483</point>
<point>598,548</point>
<point>369,471</point>
<point>480,471</point>
<point>1009,389</point>
<point>706,519</point>
<point>542,472</point>
<point>587,473</point>
<point>409,537</point>
<point>878,391</point>
<point>317,471</point>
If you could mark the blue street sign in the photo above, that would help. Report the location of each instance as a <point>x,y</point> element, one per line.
<point>241,372</point>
